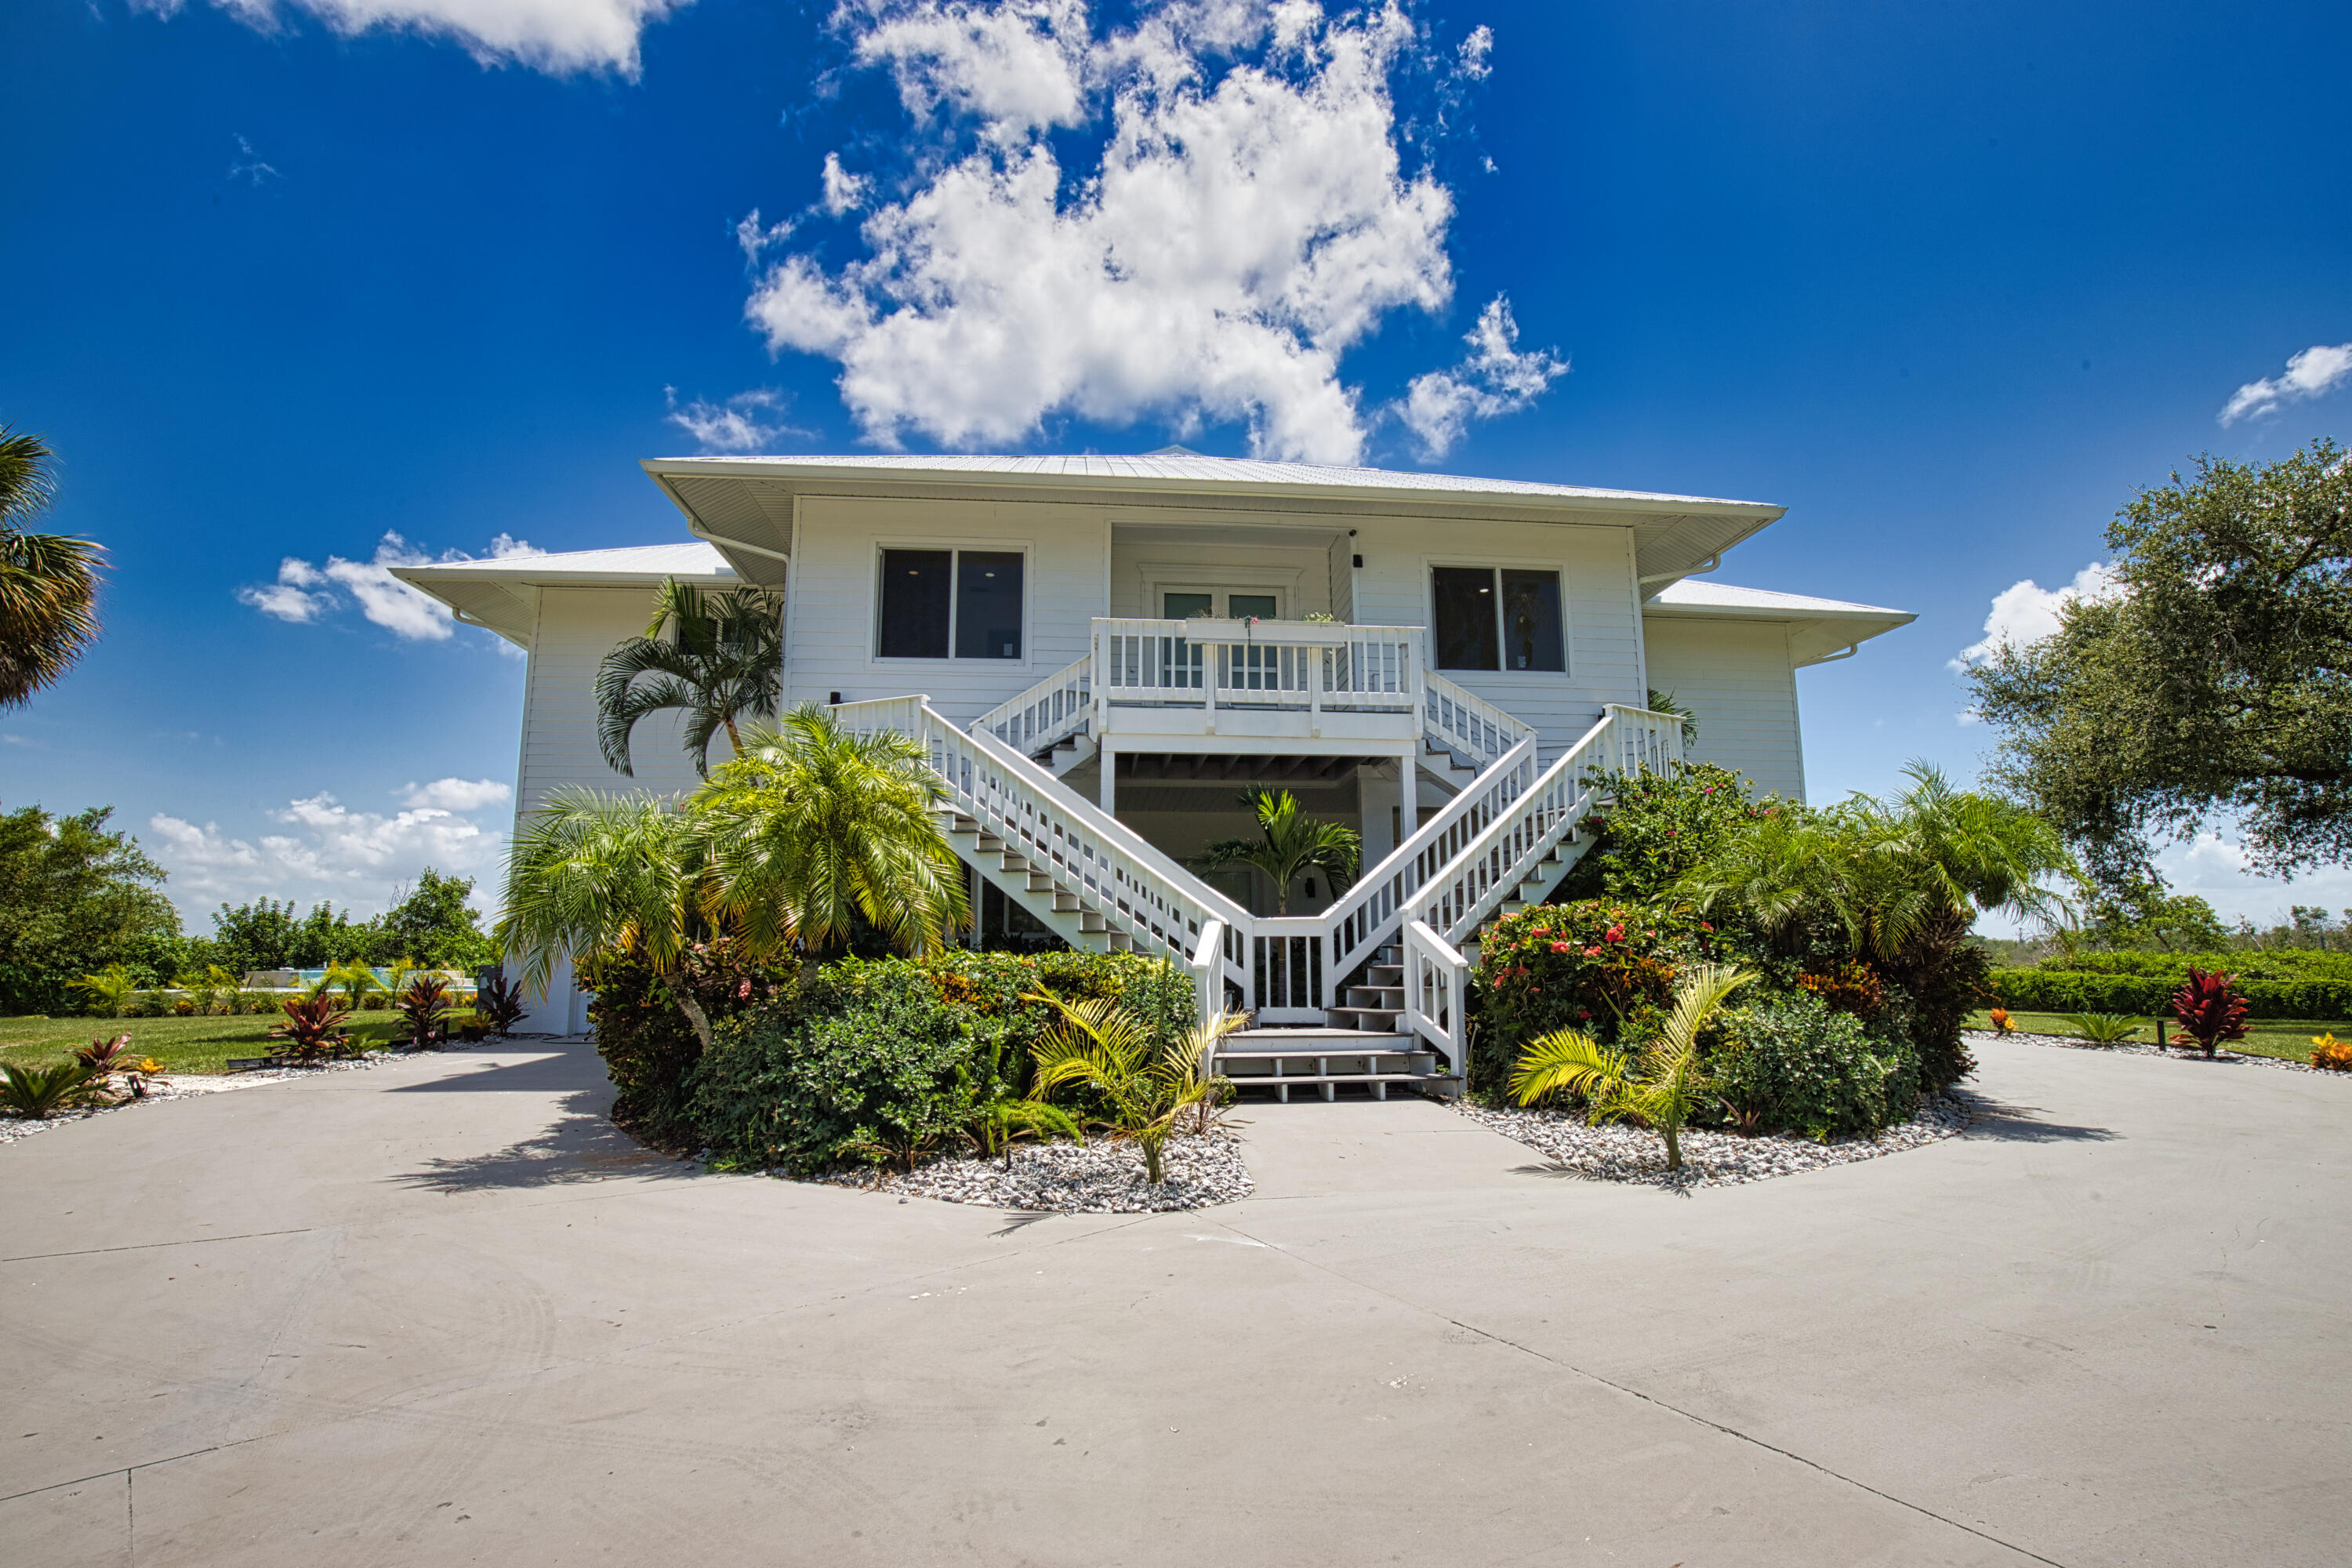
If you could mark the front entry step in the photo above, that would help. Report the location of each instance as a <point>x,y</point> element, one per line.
<point>1326,1059</point>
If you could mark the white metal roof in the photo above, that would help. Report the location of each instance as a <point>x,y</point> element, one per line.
<point>1182,467</point>
<point>746,505</point>
<point>629,562</point>
<point>502,594</point>
<point>1819,629</point>
<point>1700,593</point>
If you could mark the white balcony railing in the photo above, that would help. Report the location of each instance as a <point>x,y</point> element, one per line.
<point>1303,664</point>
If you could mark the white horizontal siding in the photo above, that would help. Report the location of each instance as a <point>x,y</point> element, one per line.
<point>577,627</point>
<point>1604,652</point>
<point>1738,677</point>
<point>829,628</point>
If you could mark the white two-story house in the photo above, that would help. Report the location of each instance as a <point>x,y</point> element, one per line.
<point>1102,654</point>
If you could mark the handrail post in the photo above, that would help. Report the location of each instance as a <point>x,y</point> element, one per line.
<point>1209,972</point>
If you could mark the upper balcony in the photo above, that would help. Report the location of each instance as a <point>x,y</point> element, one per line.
<point>1207,686</point>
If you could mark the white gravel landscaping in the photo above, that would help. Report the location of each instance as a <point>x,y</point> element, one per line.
<point>1065,1178</point>
<point>181,1085</point>
<point>1710,1159</point>
<point>2144,1048</point>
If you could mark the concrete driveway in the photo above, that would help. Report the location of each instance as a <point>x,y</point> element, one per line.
<point>439,1313</point>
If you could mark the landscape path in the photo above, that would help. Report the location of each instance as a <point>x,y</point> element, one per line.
<point>440,1312</point>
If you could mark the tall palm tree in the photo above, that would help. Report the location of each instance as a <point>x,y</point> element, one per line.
<point>592,873</point>
<point>813,827</point>
<point>716,657</point>
<point>1288,845</point>
<point>49,581</point>
<point>1658,1084</point>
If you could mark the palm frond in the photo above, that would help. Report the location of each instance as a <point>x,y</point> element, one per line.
<point>1567,1061</point>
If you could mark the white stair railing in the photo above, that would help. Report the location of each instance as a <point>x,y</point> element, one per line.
<point>1461,720</point>
<point>1437,994</point>
<point>1140,892</point>
<point>1462,896</point>
<point>1056,707</point>
<point>1448,877</point>
<point>1364,918</point>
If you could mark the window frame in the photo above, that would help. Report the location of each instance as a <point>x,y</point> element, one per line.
<point>1496,566</point>
<point>957,549</point>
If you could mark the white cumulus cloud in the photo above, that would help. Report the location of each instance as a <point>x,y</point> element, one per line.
<point>2316,372</point>
<point>457,794</point>
<point>740,423</point>
<point>325,849</point>
<point>554,35</point>
<point>1495,378</point>
<point>2027,612</point>
<point>305,592</point>
<point>844,192</point>
<point>1248,221</point>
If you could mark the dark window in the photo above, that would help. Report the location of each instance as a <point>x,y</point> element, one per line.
<point>1184,606</point>
<point>933,599</point>
<point>1464,601</point>
<point>1492,619</point>
<point>1531,632</point>
<point>988,604</point>
<point>915,597</point>
<point>1241,607</point>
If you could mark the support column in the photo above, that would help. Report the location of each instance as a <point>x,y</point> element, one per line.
<point>1408,794</point>
<point>1108,794</point>
<point>1376,797</point>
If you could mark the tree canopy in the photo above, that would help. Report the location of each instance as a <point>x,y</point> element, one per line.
<point>2216,682</point>
<point>74,896</point>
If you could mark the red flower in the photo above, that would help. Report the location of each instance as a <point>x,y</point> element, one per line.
<point>1591,953</point>
<point>1559,947</point>
<point>1614,933</point>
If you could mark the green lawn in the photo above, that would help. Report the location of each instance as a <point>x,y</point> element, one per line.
<point>182,1045</point>
<point>2287,1038</point>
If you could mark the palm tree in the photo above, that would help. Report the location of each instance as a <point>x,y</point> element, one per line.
<point>1101,1046</point>
<point>592,873</point>
<point>721,661</point>
<point>1287,847</point>
<point>812,828</point>
<point>1886,871</point>
<point>49,581</point>
<point>1658,1084</point>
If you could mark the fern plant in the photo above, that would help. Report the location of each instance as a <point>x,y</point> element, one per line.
<point>2103,1028</point>
<point>1657,1084</point>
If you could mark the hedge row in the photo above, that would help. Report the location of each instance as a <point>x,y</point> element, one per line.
<point>2069,991</point>
<point>2269,963</point>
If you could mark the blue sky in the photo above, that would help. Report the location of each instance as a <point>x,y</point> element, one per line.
<point>1947,281</point>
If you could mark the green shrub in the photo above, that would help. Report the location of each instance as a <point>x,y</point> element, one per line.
<point>1585,965</point>
<point>2150,995</point>
<point>649,1046</point>
<point>1791,1062</point>
<point>1656,826</point>
<point>866,1062</point>
<point>2254,963</point>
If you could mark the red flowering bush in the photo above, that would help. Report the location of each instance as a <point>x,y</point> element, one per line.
<point>1580,966</point>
